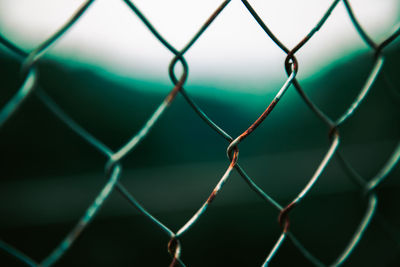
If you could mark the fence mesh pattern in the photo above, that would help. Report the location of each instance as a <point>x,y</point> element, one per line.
<point>367,185</point>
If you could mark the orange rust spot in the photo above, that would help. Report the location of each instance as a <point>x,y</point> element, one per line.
<point>172,94</point>
<point>333,131</point>
<point>172,246</point>
<point>173,262</point>
<point>283,217</point>
<point>299,45</point>
<point>175,90</point>
<point>215,14</point>
<point>212,196</point>
<point>259,120</point>
<point>234,158</point>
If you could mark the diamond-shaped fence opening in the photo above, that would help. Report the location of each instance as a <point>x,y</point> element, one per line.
<point>95,173</point>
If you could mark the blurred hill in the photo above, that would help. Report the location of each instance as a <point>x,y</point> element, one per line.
<point>114,112</point>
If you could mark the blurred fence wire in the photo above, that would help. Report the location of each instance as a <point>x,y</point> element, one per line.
<point>31,84</point>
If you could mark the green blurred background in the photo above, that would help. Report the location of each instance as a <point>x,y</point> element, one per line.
<point>50,175</point>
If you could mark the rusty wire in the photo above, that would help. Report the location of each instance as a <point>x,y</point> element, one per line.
<point>30,83</point>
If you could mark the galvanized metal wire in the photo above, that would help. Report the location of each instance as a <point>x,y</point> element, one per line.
<point>31,84</point>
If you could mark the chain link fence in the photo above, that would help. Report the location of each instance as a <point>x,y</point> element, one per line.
<point>368,186</point>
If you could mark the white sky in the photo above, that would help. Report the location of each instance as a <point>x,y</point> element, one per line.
<point>233,49</point>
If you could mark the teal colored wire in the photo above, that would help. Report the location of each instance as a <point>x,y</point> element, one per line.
<point>22,94</point>
<point>88,216</point>
<point>17,254</point>
<point>42,48</point>
<point>360,30</point>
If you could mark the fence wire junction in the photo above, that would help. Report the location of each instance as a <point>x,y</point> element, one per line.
<point>113,168</point>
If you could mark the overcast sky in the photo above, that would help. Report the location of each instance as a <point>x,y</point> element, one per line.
<point>234,48</point>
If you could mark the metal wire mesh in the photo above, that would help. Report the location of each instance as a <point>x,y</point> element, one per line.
<point>113,168</point>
